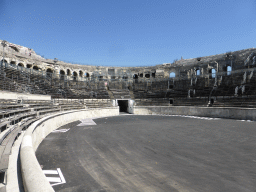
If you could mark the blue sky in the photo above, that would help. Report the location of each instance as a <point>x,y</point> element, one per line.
<point>128,33</point>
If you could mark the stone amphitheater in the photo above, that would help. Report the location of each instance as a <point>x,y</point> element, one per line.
<point>35,91</point>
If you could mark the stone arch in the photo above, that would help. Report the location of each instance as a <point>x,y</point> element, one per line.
<point>198,72</point>
<point>49,72</point>
<point>227,69</point>
<point>13,63</point>
<point>147,75</point>
<point>29,65</point>
<point>81,74</point>
<point>135,76</point>
<point>35,67</point>
<point>62,74</point>
<point>212,73</point>
<point>86,74</point>
<point>20,64</point>
<point>75,75</point>
<point>68,72</point>
<point>4,61</point>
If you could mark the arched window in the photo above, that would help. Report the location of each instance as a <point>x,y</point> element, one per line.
<point>212,73</point>
<point>229,69</point>
<point>198,72</point>
<point>172,75</point>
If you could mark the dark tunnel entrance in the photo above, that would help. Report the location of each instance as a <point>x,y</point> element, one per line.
<point>123,105</point>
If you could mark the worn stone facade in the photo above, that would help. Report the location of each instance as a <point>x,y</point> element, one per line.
<point>17,55</point>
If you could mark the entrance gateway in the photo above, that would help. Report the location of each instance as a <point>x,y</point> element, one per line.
<point>125,105</point>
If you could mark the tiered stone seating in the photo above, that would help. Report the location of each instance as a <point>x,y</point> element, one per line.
<point>98,103</point>
<point>15,117</point>
<point>121,93</point>
<point>152,102</point>
<point>190,102</point>
<point>245,102</point>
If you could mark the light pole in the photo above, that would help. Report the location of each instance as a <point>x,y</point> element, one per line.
<point>3,43</point>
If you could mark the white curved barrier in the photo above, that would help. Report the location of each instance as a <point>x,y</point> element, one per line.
<point>32,174</point>
<point>217,112</point>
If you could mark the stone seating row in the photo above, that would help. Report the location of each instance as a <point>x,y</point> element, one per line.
<point>17,121</point>
<point>152,102</point>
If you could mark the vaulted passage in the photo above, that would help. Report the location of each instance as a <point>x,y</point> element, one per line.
<point>123,105</point>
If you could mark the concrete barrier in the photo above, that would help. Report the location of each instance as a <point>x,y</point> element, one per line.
<point>32,174</point>
<point>223,112</point>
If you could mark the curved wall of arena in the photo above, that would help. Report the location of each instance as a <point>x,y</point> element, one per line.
<point>17,55</point>
<point>32,174</point>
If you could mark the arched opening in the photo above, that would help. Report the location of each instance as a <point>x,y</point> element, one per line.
<point>80,73</point>
<point>20,64</point>
<point>229,69</point>
<point>141,75</point>
<point>212,73</point>
<point>74,76</point>
<point>62,74</point>
<point>172,75</point>
<point>13,63</point>
<point>170,86</point>
<point>68,72</point>
<point>49,72</point>
<point>86,75</point>
<point>147,75</point>
<point>198,72</point>
<point>135,76</point>
<point>36,68</point>
<point>29,66</point>
<point>4,61</point>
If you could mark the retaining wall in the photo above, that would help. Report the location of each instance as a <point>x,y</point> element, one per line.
<point>223,112</point>
<point>32,174</point>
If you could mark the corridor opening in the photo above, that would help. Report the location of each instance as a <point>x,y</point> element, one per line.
<point>123,105</point>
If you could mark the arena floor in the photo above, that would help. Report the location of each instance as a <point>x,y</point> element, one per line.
<point>151,153</point>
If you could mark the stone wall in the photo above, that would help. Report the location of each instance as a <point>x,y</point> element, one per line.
<point>22,56</point>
